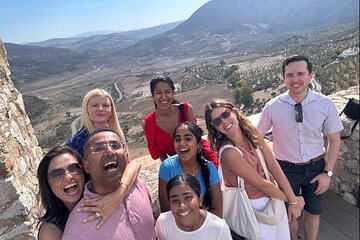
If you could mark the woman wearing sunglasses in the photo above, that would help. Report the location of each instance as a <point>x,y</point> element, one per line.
<point>160,124</point>
<point>187,220</point>
<point>226,126</point>
<point>61,184</point>
<point>190,159</point>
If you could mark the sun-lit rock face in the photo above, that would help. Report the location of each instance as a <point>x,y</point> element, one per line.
<point>19,157</point>
<point>345,181</point>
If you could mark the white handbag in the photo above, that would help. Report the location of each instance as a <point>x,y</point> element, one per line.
<point>275,209</point>
<point>237,209</point>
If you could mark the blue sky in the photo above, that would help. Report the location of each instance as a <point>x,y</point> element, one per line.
<point>37,20</point>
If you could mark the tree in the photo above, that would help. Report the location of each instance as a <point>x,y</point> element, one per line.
<point>243,94</point>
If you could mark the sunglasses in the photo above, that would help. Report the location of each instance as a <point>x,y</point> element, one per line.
<point>101,147</point>
<point>217,121</point>
<point>299,116</point>
<point>59,174</point>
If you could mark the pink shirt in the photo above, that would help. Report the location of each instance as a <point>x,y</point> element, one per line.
<point>300,142</point>
<point>133,219</point>
<point>230,178</point>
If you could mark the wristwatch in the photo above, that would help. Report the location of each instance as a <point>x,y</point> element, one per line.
<point>329,173</point>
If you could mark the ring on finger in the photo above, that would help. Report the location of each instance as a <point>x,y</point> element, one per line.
<point>97,215</point>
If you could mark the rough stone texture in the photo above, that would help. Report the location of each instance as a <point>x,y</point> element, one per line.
<point>345,181</point>
<point>19,156</point>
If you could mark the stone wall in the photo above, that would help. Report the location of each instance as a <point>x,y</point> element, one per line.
<point>19,156</point>
<point>345,181</point>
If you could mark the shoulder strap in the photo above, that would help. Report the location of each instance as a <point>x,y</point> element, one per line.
<point>182,112</point>
<point>352,129</point>
<point>241,183</point>
<point>263,164</point>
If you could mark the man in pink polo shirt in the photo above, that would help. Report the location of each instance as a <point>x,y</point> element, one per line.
<point>105,160</point>
<point>300,118</point>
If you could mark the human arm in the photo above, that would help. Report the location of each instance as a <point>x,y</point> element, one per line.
<point>107,204</point>
<point>233,160</point>
<point>163,199</point>
<point>294,210</point>
<point>216,200</point>
<point>163,157</point>
<point>191,114</point>
<point>49,231</point>
<point>149,126</point>
<point>333,148</point>
<point>265,123</point>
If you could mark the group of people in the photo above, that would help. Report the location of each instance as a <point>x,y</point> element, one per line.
<point>90,189</point>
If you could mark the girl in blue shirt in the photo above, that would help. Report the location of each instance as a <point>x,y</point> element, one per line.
<point>190,159</point>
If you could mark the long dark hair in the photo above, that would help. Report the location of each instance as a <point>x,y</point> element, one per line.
<point>200,157</point>
<point>216,138</point>
<point>55,210</point>
<point>164,79</point>
<point>184,178</point>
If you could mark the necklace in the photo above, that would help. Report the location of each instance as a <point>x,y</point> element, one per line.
<point>246,145</point>
<point>194,171</point>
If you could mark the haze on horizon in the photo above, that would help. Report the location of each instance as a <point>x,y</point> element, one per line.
<point>24,21</point>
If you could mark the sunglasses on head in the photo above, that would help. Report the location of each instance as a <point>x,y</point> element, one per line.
<point>59,174</point>
<point>217,121</point>
<point>101,147</point>
<point>299,116</point>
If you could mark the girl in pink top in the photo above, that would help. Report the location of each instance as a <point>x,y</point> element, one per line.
<point>227,126</point>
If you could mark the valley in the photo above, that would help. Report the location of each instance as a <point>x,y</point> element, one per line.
<point>205,63</point>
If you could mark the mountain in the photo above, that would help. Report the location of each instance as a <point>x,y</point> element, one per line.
<point>106,42</point>
<point>218,29</point>
<point>92,33</point>
<point>225,27</point>
<point>32,63</point>
<point>275,16</point>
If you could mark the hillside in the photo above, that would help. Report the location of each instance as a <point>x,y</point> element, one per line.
<point>223,44</point>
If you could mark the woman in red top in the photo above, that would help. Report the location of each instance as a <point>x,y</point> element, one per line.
<point>160,124</point>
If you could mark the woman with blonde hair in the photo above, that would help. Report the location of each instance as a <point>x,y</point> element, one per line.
<point>98,111</point>
<point>238,143</point>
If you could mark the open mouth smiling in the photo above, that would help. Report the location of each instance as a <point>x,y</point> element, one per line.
<point>110,166</point>
<point>71,188</point>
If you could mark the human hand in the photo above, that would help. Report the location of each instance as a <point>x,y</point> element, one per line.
<point>102,207</point>
<point>323,183</point>
<point>294,210</point>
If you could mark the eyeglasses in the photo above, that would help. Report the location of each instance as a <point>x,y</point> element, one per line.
<point>217,121</point>
<point>101,147</point>
<point>59,174</point>
<point>299,116</point>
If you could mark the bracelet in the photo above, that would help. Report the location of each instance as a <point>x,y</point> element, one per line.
<point>293,203</point>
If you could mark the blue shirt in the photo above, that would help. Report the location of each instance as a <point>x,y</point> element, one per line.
<point>171,167</point>
<point>78,140</point>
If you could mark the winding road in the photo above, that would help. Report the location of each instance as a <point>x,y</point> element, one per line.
<point>75,122</point>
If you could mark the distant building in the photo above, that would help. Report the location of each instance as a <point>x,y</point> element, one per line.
<point>349,52</point>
